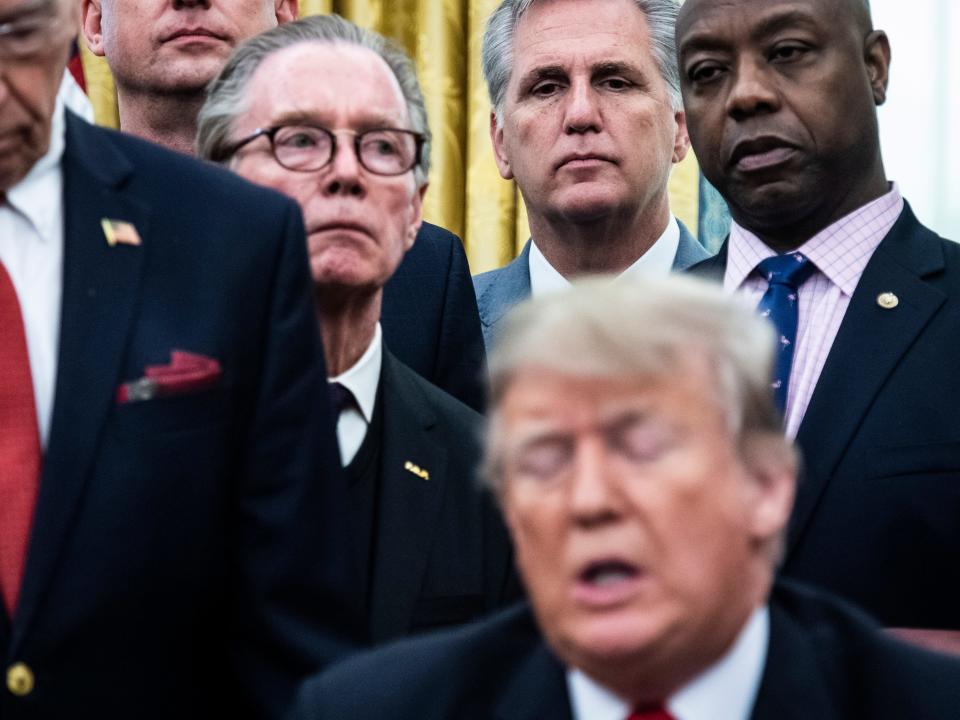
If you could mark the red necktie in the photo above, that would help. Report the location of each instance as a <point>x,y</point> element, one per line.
<point>19,445</point>
<point>657,712</point>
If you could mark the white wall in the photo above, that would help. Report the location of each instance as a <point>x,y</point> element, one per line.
<point>920,122</point>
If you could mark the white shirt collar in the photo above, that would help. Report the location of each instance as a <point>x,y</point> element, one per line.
<point>363,377</point>
<point>655,262</point>
<point>731,683</point>
<point>39,195</point>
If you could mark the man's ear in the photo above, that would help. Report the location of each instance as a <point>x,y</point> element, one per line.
<point>876,56</point>
<point>286,11</point>
<point>417,219</point>
<point>681,140</point>
<point>92,26</point>
<point>499,154</point>
<point>772,464</point>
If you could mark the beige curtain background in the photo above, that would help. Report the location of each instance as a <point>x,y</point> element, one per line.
<point>467,194</point>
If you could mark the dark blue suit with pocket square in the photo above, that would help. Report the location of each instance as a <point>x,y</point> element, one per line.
<point>183,560</point>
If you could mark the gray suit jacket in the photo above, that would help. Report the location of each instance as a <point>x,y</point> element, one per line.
<point>499,290</point>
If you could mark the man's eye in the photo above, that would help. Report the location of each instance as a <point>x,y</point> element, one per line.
<point>704,72</point>
<point>639,441</point>
<point>544,459</point>
<point>381,146</point>
<point>545,89</point>
<point>788,53</point>
<point>299,140</point>
<point>617,84</point>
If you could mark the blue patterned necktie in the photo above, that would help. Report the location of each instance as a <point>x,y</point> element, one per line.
<point>784,275</point>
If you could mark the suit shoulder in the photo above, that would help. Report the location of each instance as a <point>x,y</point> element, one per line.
<point>430,675</point>
<point>454,414</point>
<point>875,674</point>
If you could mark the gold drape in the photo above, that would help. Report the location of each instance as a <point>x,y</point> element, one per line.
<point>466,192</point>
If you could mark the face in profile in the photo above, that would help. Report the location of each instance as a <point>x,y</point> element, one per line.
<point>175,47</point>
<point>638,526</point>
<point>359,223</point>
<point>781,105</point>
<point>33,55</point>
<point>588,125</point>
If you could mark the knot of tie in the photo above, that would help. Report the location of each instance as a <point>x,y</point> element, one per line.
<point>340,397</point>
<point>790,270</point>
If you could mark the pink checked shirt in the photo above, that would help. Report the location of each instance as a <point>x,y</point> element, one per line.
<point>840,253</point>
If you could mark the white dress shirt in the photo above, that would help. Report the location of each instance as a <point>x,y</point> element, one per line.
<point>362,380</point>
<point>727,690</point>
<point>655,262</point>
<point>31,249</point>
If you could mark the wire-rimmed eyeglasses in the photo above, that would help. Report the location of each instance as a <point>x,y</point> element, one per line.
<point>305,148</point>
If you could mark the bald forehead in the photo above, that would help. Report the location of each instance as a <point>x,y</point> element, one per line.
<point>856,12</point>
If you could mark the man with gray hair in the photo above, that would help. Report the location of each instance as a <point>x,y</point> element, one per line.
<point>353,150</point>
<point>647,484</point>
<point>163,55</point>
<point>587,119</point>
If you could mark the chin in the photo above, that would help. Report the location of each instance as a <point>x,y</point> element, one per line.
<point>588,205</point>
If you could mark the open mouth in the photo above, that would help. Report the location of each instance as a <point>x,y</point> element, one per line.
<point>608,582</point>
<point>608,572</point>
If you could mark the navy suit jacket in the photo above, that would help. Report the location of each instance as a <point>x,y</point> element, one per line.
<point>429,316</point>
<point>877,516</point>
<point>442,555</point>
<point>499,290</point>
<point>181,562</point>
<point>824,660</point>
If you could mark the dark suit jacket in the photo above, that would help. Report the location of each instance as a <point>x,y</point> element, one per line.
<point>182,559</point>
<point>877,517</point>
<point>499,290</point>
<point>442,554</point>
<point>824,661</point>
<point>429,316</point>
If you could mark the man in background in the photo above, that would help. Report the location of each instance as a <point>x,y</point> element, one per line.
<point>431,547</point>
<point>169,517</point>
<point>647,486</point>
<point>587,119</point>
<point>781,102</point>
<point>164,53</point>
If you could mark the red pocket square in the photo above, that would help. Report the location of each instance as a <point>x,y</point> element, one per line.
<point>186,373</point>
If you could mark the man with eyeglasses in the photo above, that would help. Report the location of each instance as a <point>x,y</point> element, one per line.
<point>354,151</point>
<point>163,54</point>
<point>169,545</point>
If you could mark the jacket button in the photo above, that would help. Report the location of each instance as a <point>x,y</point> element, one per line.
<point>20,679</point>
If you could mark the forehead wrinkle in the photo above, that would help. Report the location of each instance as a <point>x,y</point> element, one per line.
<point>34,6</point>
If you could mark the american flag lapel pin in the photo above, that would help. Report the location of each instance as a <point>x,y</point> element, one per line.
<point>119,232</point>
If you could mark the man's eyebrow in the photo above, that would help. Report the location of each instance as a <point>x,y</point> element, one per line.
<point>704,40</point>
<point>542,72</point>
<point>304,117</point>
<point>35,7</point>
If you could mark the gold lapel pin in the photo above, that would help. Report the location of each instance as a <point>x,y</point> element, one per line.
<point>416,470</point>
<point>119,232</point>
<point>887,300</point>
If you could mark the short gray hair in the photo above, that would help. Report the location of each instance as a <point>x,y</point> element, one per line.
<point>497,52</point>
<point>645,328</point>
<point>226,95</point>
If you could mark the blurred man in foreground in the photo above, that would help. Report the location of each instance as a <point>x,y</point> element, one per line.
<point>587,119</point>
<point>647,485</point>
<point>431,547</point>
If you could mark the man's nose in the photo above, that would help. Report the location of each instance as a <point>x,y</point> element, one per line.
<point>343,176</point>
<point>592,498</point>
<point>752,91</point>
<point>582,109</point>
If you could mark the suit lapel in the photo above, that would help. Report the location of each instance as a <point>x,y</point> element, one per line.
<point>412,501</point>
<point>510,286</point>
<point>689,251</point>
<point>537,689</point>
<point>100,292</point>
<point>869,344</point>
<point>792,686</point>
<point>712,268</point>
